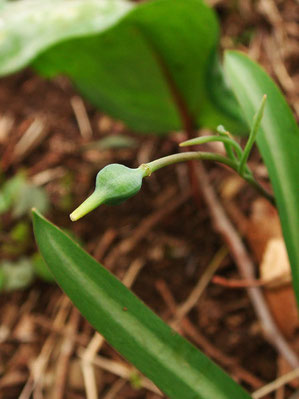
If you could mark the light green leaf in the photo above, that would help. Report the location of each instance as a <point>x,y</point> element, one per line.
<point>15,275</point>
<point>10,191</point>
<point>278,142</point>
<point>171,362</point>
<point>20,195</point>
<point>30,196</point>
<point>149,64</point>
<point>29,27</point>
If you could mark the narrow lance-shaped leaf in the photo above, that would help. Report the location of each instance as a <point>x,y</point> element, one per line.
<point>277,140</point>
<point>171,362</point>
<point>146,64</point>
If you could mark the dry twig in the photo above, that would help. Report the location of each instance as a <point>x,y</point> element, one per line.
<point>82,117</point>
<point>120,369</point>
<point>115,389</point>
<point>246,267</point>
<point>127,245</point>
<point>274,385</point>
<point>202,283</point>
<point>32,137</point>
<point>66,351</point>
<point>205,344</point>
<point>39,366</point>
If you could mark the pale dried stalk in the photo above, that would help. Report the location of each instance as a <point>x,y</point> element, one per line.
<point>187,305</point>
<point>82,117</point>
<point>274,385</point>
<point>246,267</point>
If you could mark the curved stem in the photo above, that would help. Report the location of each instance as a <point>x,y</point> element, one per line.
<point>189,156</point>
<point>229,151</point>
<point>252,135</point>
<point>157,164</point>
<point>208,139</point>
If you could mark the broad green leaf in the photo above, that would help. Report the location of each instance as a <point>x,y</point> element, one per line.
<point>146,64</point>
<point>171,362</point>
<point>278,142</point>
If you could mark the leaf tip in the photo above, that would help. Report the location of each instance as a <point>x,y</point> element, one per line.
<point>73,216</point>
<point>35,212</point>
<point>189,142</point>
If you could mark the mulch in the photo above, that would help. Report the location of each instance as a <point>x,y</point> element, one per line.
<point>162,237</point>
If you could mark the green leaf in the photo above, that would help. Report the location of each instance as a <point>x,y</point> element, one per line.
<point>278,142</point>
<point>10,191</point>
<point>30,196</point>
<point>20,195</point>
<point>15,275</point>
<point>29,27</point>
<point>170,361</point>
<point>149,64</point>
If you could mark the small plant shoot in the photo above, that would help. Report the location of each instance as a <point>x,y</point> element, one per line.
<point>116,183</point>
<point>153,65</point>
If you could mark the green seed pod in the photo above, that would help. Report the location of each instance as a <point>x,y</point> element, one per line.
<point>114,184</point>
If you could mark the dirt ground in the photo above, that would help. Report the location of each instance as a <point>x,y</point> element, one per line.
<point>163,239</point>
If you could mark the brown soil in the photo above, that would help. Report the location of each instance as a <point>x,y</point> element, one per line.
<point>173,247</point>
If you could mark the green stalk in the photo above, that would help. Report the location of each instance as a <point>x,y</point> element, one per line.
<point>157,164</point>
<point>92,202</point>
<point>251,180</point>
<point>189,156</point>
<point>229,151</point>
<point>252,135</point>
<point>208,139</point>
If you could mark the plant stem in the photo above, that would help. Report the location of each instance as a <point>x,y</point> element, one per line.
<point>189,156</point>
<point>93,201</point>
<point>252,135</point>
<point>228,148</point>
<point>157,164</point>
<point>251,180</point>
<point>208,139</point>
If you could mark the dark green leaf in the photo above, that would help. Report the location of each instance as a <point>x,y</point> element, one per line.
<point>278,142</point>
<point>170,361</point>
<point>149,64</point>
<point>29,27</point>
